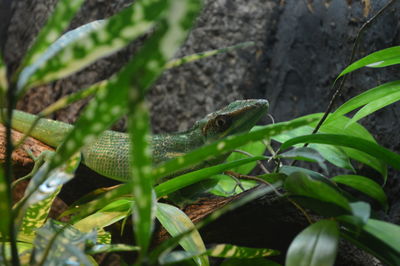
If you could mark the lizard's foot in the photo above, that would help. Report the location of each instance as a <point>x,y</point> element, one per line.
<point>38,162</point>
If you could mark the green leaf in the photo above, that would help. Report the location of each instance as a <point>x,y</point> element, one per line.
<point>87,208</point>
<point>363,145</point>
<point>171,243</point>
<point>256,148</point>
<point>141,163</point>
<point>300,184</point>
<point>340,125</point>
<point>147,64</point>
<point>315,246</point>
<point>288,170</point>
<point>103,237</point>
<point>365,185</point>
<point>233,251</point>
<point>58,244</point>
<point>5,204</point>
<point>221,251</point>
<point>112,35</point>
<point>24,251</point>
<point>226,145</point>
<point>190,178</point>
<point>55,25</point>
<point>375,105</point>
<point>249,262</point>
<point>34,208</point>
<point>304,154</point>
<point>361,210</point>
<point>198,56</point>
<point>111,248</point>
<point>377,237</point>
<point>386,57</point>
<point>113,212</point>
<point>367,97</point>
<point>179,16</point>
<point>334,155</point>
<point>387,232</point>
<point>176,222</point>
<point>65,40</point>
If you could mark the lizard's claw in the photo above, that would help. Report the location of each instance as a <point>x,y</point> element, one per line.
<point>38,162</point>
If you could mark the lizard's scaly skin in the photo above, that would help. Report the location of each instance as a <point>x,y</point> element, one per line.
<point>109,154</point>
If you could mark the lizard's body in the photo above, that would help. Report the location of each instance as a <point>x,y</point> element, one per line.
<point>109,154</point>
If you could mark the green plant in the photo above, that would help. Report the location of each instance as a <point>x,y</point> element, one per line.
<point>28,237</point>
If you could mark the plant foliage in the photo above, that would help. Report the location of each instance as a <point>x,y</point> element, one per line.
<point>30,237</point>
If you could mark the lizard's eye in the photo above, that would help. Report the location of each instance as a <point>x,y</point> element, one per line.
<point>222,122</point>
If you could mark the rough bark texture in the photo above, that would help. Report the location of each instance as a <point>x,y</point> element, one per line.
<point>300,48</point>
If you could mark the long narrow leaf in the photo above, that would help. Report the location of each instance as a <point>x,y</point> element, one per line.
<point>368,147</point>
<point>55,48</point>
<point>340,125</point>
<point>185,180</point>
<point>176,222</point>
<point>226,145</point>
<point>172,30</point>
<point>197,56</point>
<point>114,101</point>
<point>386,57</point>
<point>143,208</point>
<point>221,251</point>
<point>367,97</point>
<point>55,25</point>
<point>33,209</point>
<point>5,205</point>
<point>111,248</point>
<point>112,35</point>
<point>115,211</point>
<point>375,105</point>
<point>365,185</point>
<point>161,190</point>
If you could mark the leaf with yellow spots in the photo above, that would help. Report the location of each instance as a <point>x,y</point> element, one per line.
<point>176,222</point>
<point>93,41</point>
<point>56,24</point>
<point>220,251</point>
<point>37,202</point>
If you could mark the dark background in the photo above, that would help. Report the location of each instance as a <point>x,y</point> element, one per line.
<point>301,46</point>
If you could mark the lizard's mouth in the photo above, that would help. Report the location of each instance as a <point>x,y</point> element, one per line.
<point>244,118</point>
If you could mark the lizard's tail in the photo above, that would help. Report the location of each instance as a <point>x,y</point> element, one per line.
<point>48,131</point>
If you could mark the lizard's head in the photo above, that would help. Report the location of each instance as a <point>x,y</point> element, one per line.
<point>237,117</point>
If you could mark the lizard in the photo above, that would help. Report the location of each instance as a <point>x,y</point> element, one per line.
<point>109,154</point>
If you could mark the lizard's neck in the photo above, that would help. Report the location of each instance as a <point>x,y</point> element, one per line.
<point>168,146</point>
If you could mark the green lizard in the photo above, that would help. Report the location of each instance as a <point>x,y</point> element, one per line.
<point>109,154</point>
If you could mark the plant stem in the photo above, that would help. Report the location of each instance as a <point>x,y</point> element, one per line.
<point>8,175</point>
<point>353,52</point>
